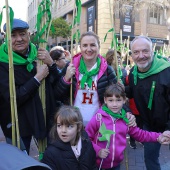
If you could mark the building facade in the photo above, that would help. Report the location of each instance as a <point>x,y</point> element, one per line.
<point>95,16</point>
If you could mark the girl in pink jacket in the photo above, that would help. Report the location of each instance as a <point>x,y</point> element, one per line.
<point>114,117</point>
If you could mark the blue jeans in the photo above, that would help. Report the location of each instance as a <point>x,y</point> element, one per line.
<point>151,154</point>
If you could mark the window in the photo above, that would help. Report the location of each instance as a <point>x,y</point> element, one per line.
<point>156,16</point>
<point>65,1</point>
<point>136,16</point>
<point>60,3</point>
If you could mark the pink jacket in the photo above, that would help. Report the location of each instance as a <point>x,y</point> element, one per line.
<point>118,140</point>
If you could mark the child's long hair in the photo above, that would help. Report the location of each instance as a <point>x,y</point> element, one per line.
<point>68,115</point>
<point>117,89</point>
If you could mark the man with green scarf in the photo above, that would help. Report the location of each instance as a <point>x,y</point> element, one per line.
<point>149,85</point>
<point>28,76</point>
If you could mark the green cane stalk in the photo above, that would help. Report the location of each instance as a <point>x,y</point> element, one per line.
<point>75,35</point>
<point>114,41</point>
<point>14,114</point>
<point>44,20</point>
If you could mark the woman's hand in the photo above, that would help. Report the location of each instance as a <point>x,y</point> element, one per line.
<point>70,72</point>
<point>67,54</point>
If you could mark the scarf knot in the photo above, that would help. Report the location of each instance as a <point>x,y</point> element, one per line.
<point>17,59</point>
<point>116,115</point>
<point>87,75</point>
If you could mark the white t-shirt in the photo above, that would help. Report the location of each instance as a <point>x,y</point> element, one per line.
<point>87,99</point>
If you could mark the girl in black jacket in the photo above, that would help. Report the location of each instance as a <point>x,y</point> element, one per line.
<point>70,146</point>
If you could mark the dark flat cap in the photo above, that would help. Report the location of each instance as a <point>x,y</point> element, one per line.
<point>18,24</point>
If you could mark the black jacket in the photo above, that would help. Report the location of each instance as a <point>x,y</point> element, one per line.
<point>62,89</point>
<point>158,118</point>
<point>29,107</point>
<point>59,156</point>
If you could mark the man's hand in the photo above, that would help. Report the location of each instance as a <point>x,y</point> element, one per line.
<point>42,71</point>
<point>131,118</point>
<point>164,138</point>
<point>44,55</point>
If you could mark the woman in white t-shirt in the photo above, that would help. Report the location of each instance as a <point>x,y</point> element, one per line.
<point>90,75</point>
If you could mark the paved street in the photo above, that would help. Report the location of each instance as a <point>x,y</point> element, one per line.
<point>135,156</point>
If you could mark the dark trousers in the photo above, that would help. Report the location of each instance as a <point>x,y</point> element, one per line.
<point>151,154</point>
<point>114,168</point>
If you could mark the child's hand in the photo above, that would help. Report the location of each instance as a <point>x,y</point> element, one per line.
<point>164,138</point>
<point>103,153</point>
<point>131,118</point>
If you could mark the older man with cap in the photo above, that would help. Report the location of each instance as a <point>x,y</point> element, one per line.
<point>28,77</point>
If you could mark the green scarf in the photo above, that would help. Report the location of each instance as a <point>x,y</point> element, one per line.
<point>17,59</point>
<point>157,66</point>
<point>116,115</point>
<point>87,75</point>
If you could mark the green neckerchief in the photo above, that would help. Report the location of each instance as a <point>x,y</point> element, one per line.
<point>116,115</point>
<point>157,66</point>
<point>87,75</point>
<point>17,59</point>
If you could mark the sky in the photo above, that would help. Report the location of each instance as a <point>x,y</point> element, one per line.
<point>19,7</point>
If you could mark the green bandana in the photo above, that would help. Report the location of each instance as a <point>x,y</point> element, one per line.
<point>157,66</point>
<point>17,59</point>
<point>87,75</point>
<point>116,115</point>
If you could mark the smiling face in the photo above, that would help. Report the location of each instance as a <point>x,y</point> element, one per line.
<point>142,54</point>
<point>89,48</point>
<point>20,41</point>
<point>114,103</point>
<point>67,133</point>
